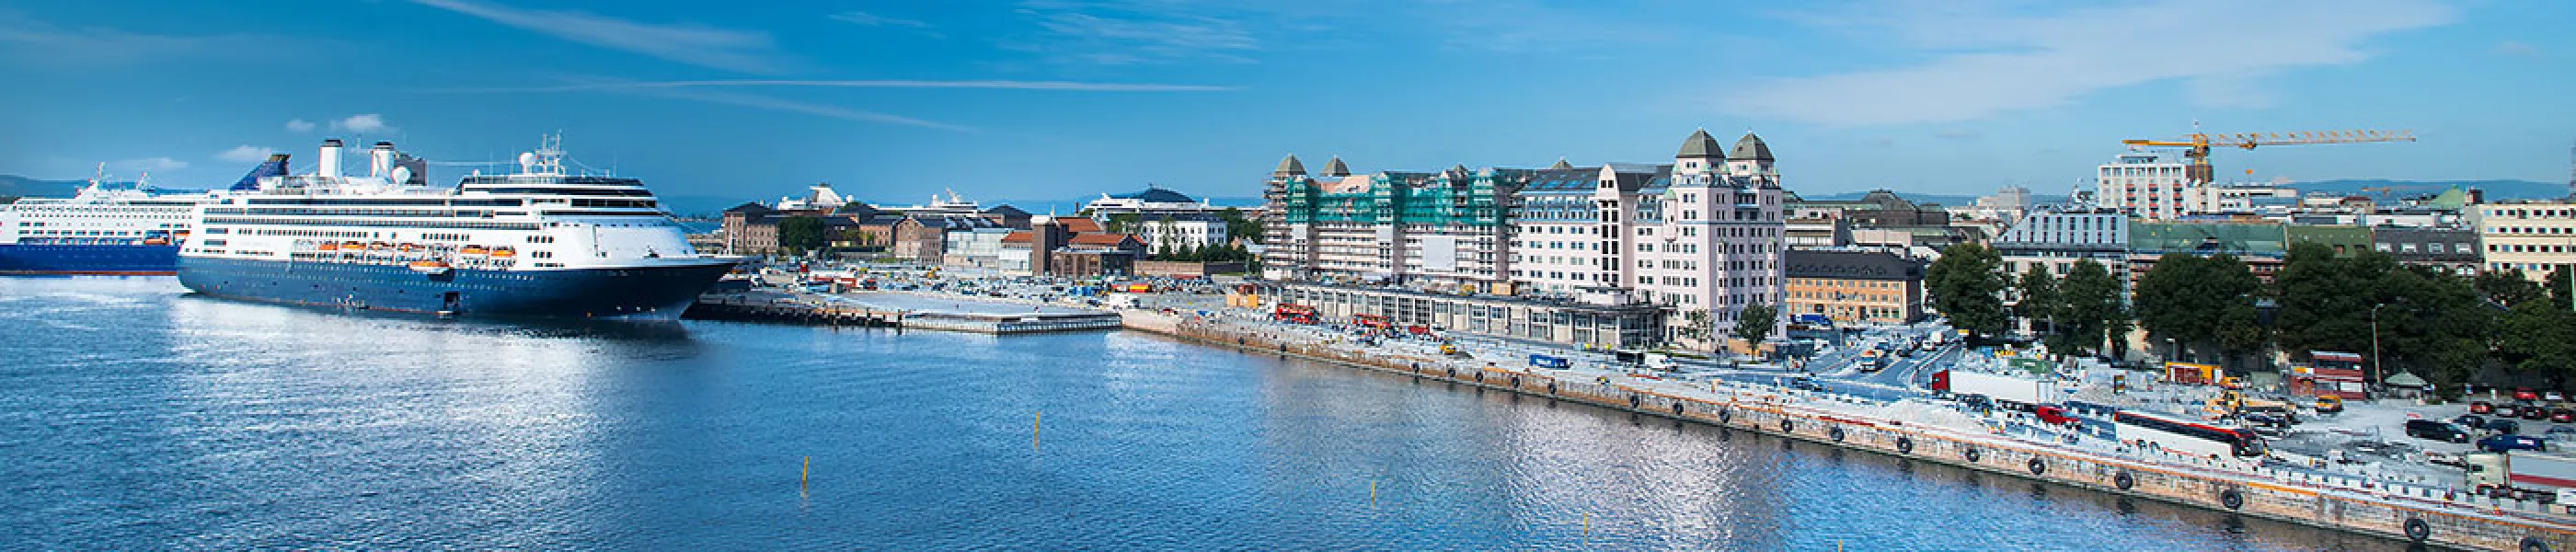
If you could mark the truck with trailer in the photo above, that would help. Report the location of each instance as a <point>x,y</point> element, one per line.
<point>1999,387</point>
<point>2521,474</point>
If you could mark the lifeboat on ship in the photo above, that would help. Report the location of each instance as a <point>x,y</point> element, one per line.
<point>473,250</point>
<point>504,253</point>
<point>327,247</point>
<point>429,267</point>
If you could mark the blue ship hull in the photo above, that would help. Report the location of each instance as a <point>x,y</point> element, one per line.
<point>117,259</point>
<point>657,293</point>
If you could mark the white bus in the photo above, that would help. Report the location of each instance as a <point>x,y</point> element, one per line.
<point>2197,439</point>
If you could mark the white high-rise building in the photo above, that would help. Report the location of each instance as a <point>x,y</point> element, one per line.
<point>1712,241</point>
<point>2146,184</point>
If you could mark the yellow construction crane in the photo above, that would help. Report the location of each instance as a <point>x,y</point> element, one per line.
<point>2198,144</point>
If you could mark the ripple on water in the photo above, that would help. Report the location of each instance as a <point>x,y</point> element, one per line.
<point>196,423</point>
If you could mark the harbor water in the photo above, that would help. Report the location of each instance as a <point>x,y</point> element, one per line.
<point>136,416</point>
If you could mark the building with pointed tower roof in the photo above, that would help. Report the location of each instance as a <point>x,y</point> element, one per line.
<point>1336,168</point>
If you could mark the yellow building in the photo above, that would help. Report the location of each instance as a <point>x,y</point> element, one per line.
<point>2537,237</point>
<point>1853,286</point>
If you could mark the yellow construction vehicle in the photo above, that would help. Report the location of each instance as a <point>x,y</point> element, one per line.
<point>2197,145</point>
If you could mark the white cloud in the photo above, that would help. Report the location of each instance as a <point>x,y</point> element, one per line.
<point>732,50</point>
<point>150,164</point>
<point>246,153</point>
<point>1987,63</point>
<point>299,126</point>
<point>368,122</point>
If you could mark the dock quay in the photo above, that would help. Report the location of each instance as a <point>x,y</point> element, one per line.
<point>2406,513</point>
<point>985,318</point>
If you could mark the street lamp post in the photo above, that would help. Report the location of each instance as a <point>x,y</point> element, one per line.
<point>2374,346</point>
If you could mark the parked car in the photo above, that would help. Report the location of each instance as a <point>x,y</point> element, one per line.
<point>2436,430</point>
<point>2443,459</point>
<point>2471,421</point>
<point>2503,443</point>
<point>2535,413</point>
<point>2525,394</point>
<point>2503,425</point>
<point>2562,433</point>
<point>2481,407</point>
<point>2552,396</point>
<point>2562,415</point>
<point>2506,410</point>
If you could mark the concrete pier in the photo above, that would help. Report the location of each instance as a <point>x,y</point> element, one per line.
<point>794,309</point>
<point>2419,515</point>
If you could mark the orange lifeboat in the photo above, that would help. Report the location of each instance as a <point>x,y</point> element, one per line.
<point>156,240</point>
<point>428,267</point>
<point>327,246</point>
<point>379,246</point>
<point>503,253</point>
<point>411,248</point>
<point>472,250</point>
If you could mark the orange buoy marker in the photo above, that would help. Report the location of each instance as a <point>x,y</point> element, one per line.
<point>1372,493</point>
<point>1587,524</point>
<point>804,472</point>
<point>1040,420</point>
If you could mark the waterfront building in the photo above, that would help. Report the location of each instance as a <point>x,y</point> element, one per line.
<point>979,247</point>
<point>1172,232</point>
<point>1701,235</point>
<point>923,237</point>
<point>1850,286</point>
<point>1442,228</point>
<point>1612,323</point>
<point>2537,237</point>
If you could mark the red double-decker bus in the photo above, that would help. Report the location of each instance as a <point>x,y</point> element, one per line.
<point>1372,321</point>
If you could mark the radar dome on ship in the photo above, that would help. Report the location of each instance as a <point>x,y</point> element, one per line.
<point>527,161</point>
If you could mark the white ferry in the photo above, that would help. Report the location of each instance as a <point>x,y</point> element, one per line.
<point>539,242</point>
<point>107,229</point>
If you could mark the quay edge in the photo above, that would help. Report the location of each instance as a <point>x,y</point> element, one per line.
<point>2301,499</point>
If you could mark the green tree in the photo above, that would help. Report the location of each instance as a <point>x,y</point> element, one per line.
<point>802,235</point>
<point>2039,301</point>
<point>1967,286</point>
<point>2325,300</point>
<point>1696,324</point>
<point>1236,226</point>
<point>2089,309</point>
<point>1754,324</point>
<point>2537,338</point>
<point>2205,304</point>
<point>2508,288</point>
<point>1121,223</point>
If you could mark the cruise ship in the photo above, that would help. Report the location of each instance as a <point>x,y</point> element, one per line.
<point>539,242</point>
<point>104,229</point>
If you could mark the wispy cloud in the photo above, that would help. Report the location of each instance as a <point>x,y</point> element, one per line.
<point>861,18</point>
<point>2517,48</point>
<point>149,164</point>
<point>1986,63</point>
<point>731,50</point>
<point>1132,32</point>
<point>246,153</point>
<point>930,84</point>
<point>365,122</point>
<point>299,126</point>
<point>26,39</point>
<point>739,99</point>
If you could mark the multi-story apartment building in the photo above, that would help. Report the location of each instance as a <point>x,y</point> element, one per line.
<point>2537,237</point>
<point>1702,235</point>
<point>2146,184</point>
<point>2055,240</point>
<point>1442,229</point>
<point>2453,250</point>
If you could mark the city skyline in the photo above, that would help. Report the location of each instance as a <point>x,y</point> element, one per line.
<point>1021,101</point>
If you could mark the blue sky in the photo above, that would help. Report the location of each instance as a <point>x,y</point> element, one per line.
<point>1052,99</point>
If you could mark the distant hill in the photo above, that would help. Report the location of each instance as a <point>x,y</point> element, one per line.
<point>1945,200</point>
<point>19,186</point>
<point>2495,189</point>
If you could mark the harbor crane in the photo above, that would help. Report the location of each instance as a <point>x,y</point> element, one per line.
<point>2198,144</point>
